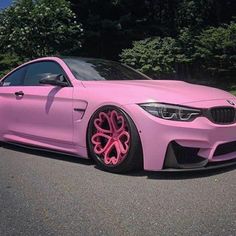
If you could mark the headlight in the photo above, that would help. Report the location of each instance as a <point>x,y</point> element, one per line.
<point>171,112</point>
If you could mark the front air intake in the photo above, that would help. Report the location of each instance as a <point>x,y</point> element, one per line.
<point>223,115</point>
<point>225,148</point>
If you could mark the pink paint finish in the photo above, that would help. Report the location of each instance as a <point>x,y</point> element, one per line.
<point>46,116</point>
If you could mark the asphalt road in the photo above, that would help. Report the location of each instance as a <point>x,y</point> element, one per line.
<point>51,194</point>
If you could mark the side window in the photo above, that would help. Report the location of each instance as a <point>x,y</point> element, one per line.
<point>39,70</point>
<point>15,79</point>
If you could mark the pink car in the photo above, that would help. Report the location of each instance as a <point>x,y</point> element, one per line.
<point>117,116</point>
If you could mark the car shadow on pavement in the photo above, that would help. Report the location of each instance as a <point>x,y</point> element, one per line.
<point>47,154</point>
<point>160,175</point>
<point>178,175</point>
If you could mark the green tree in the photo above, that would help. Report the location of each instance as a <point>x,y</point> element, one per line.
<point>33,28</point>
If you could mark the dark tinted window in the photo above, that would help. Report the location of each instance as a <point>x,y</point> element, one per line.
<point>39,70</point>
<point>15,79</point>
<point>92,69</point>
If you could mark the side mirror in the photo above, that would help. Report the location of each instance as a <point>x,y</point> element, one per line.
<point>56,80</point>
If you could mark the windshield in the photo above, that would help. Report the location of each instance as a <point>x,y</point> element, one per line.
<point>97,69</point>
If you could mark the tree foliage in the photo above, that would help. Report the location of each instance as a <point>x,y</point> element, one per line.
<point>32,28</point>
<point>7,62</point>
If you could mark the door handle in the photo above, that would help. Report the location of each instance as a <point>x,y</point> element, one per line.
<point>20,93</point>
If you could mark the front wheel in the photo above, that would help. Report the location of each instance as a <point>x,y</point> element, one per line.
<point>113,140</point>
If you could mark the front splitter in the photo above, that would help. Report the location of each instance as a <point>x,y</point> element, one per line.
<point>209,166</point>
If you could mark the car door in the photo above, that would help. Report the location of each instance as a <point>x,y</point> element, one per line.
<point>8,99</point>
<point>43,113</point>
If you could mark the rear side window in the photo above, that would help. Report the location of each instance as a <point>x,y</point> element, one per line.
<point>39,70</point>
<point>16,78</point>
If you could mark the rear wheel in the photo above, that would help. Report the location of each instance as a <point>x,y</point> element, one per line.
<point>113,140</point>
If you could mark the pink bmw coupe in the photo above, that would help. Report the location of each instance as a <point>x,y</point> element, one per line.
<point>122,119</point>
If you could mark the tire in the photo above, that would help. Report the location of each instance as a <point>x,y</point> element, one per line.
<point>113,141</point>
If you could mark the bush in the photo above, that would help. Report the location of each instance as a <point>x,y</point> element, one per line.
<point>216,49</point>
<point>213,50</point>
<point>186,45</point>
<point>153,56</point>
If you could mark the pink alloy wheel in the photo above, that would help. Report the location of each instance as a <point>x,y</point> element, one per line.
<point>111,138</point>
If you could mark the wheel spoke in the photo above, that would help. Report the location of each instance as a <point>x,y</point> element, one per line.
<point>96,140</point>
<point>99,123</point>
<point>109,156</point>
<point>124,139</point>
<point>117,122</point>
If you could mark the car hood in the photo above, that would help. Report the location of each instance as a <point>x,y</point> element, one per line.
<point>167,91</point>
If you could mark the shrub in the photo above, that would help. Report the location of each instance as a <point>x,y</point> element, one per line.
<point>213,50</point>
<point>153,56</point>
<point>216,49</point>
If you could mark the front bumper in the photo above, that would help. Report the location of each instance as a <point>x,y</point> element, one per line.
<point>181,158</point>
<point>208,141</point>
